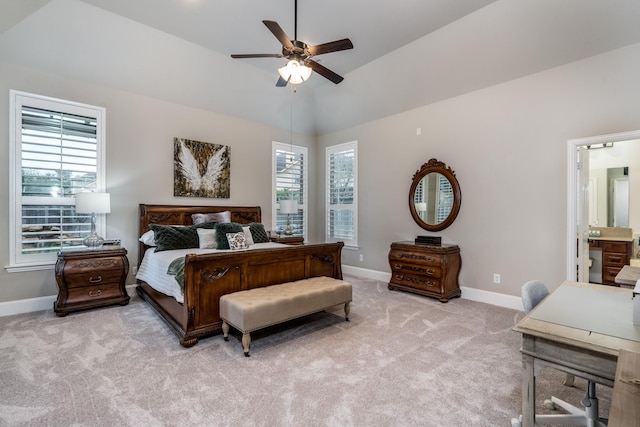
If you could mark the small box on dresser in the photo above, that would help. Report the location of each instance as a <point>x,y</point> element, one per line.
<point>430,270</point>
<point>90,278</point>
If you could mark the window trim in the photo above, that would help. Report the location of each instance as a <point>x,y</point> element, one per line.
<point>328,151</point>
<point>305,190</point>
<point>16,100</point>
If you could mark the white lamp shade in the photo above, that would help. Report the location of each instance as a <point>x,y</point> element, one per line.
<point>295,72</point>
<point>99,203</point>
<point>421,206</point>
<point>288,206</point>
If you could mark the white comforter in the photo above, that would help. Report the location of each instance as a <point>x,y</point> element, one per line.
<point>153,268</point>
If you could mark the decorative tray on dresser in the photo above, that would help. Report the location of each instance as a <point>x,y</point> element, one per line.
<point>430,270</point>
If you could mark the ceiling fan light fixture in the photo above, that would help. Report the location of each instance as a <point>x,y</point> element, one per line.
<point>295,72</point>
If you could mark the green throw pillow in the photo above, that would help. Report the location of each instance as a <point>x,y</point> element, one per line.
<point>169,237</point>
<point>222,228</point>
<point>258,233</point>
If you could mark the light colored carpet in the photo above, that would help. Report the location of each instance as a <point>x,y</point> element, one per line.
<point>402,360</point>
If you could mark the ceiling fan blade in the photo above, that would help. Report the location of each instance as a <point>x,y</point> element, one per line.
<point>281,82</point>
<point>279,33</point>
<point>257,55</point>
<point>324,71</point>
<point>334,46</point>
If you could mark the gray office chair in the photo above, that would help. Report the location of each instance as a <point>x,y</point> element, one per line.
<point>533,292</point>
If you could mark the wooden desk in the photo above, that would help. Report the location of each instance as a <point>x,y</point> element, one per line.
<point>580,329</point>
<point>625,402</point>
<point>628,276</point>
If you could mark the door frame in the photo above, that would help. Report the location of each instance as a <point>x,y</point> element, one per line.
<point>572,201</point>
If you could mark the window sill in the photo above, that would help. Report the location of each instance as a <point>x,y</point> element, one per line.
<point>28,267</point>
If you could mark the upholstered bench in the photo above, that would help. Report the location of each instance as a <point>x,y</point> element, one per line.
<point>254,309</point>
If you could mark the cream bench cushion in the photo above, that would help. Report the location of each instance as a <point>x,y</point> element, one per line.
<point>258,308</point>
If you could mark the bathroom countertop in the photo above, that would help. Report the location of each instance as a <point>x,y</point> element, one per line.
<point>612,238</point>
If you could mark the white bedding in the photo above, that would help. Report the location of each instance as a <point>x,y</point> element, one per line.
<point>153,268</point>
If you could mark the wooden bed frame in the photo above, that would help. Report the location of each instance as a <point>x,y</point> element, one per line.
<point>208,277</point>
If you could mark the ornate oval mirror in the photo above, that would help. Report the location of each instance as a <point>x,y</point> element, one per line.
<point>434,198</point>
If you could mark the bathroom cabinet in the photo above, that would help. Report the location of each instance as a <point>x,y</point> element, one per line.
<point>615,255</point>
<point>430,270</point>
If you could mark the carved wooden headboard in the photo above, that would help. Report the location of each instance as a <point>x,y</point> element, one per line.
<point>181,215</point>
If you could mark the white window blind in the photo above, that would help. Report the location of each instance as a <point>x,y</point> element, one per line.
<point>56,152</point>
<point>290,182</point>
<point>342,193</point>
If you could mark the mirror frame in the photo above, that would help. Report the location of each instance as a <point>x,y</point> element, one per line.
<point>435,166</point>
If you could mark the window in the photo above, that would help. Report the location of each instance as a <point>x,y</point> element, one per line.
<point>56,150</point>
<point>342,193</point>
<point>290,182</point>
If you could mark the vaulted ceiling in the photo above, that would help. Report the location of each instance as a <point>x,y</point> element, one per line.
<point>406,53</point>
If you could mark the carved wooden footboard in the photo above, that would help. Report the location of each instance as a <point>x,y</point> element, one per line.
<point>209,276</point>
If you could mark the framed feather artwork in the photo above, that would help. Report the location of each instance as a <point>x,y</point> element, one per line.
<point>201,169</point>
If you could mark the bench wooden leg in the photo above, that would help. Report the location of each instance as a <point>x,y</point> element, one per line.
<point>225,330</point>
<point>246,342</point>
<point>347,309</point>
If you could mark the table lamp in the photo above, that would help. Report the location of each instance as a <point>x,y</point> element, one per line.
<point>288,206</point>
<point>93,203</point>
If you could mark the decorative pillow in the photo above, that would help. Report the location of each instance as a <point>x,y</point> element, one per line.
<point>236,241</point>
<point>207,238</point>
<point>258,233</point>
<point>247,235</point>
<point>199,218</point>
<point>168,237</point>
<point>148,238</point>
<point>222,228</point>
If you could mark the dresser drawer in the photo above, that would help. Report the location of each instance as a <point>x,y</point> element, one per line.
<point>415,258</point>
<point>419,282</point>
<point>427,270</point>
<point>86,295</point>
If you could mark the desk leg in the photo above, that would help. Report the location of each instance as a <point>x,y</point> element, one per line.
<point>528,391</point>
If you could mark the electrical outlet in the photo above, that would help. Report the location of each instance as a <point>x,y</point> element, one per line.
<point>134,270</point>
<point>361,257</point>
<point>496,278</point>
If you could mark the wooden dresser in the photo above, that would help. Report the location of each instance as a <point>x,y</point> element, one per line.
<point>425,269</point>
<point>89,278</point>
<point>615,255</point>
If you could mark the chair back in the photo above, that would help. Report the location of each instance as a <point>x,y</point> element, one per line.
<point>533,292</point>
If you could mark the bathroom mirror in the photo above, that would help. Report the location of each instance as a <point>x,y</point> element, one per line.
<point>434,197</point>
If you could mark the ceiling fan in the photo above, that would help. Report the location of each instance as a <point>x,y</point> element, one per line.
<point>300,64</point>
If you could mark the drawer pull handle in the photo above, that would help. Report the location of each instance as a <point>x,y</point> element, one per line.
<point>95,293</point>
<point>95,279</point>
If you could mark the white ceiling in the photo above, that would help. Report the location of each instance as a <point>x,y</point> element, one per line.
<point>407,53</point>
<point>376,27</point>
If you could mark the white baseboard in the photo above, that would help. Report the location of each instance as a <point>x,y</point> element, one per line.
<point>494,298</point>
<point>10,308</point>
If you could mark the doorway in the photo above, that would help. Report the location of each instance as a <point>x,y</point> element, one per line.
<point>578,199</point>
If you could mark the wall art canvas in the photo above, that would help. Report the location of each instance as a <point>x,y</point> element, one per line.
<point>201,169</point>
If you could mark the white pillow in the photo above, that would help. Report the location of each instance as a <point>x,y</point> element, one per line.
<point>207,238</point>
<point>148,238</point>
<point>248,238</point>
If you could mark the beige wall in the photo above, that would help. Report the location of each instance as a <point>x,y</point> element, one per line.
<point>508,147</point>
<point>140,132</point>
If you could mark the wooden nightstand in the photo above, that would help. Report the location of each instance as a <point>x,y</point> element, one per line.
<point>288,240</point>
<point>89,278</point>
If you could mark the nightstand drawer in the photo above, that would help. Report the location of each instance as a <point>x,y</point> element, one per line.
<point>419,282</point>
<point>416,258</point>
<point>84,295</point>
<point>91,265</point>
<point>94,278</point>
